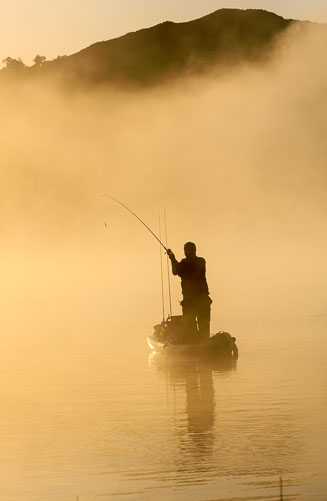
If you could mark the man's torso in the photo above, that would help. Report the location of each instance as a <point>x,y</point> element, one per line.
<point>193,274</point>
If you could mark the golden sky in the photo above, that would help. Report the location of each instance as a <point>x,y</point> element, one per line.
<point>52,28</point>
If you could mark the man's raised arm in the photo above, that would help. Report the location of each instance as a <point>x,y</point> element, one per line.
<point>174,262</point>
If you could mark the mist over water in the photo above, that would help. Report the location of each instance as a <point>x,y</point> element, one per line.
<point>239,164</point>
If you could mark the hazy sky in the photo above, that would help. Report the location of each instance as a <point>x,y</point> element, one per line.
<point>52,28</point>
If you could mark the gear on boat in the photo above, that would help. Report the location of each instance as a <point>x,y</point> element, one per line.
<point>171,333</point>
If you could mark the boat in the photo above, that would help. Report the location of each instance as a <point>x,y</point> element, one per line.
<point>169,336</point>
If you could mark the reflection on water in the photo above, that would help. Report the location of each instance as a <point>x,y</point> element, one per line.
<point>195,432</point>
<point>238,430</point>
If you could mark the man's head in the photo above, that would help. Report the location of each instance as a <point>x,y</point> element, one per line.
<point>190,249</point>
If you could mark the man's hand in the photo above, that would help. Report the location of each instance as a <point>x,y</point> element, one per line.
<point>170,253</point>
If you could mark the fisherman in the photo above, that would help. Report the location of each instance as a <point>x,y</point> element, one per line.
<point>196,302</point>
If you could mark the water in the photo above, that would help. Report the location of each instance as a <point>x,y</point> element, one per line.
<point>88,411</point>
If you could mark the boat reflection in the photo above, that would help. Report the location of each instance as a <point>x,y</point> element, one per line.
<point>191,400</point>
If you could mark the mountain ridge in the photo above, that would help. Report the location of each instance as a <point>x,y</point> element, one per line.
<point>168,50</point>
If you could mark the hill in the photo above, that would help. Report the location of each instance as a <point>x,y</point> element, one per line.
<point>154,55</point>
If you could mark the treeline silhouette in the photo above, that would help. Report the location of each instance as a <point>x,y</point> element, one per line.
<point>168,50</point>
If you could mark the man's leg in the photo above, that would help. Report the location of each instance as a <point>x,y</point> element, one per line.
<point>189,320</point>
<point>203,317</point>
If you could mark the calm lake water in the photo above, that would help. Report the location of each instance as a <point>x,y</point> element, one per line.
<point>87,410</point>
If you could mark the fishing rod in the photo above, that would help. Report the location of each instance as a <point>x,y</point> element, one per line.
<point>161,270</point>
<point>129,210</point>
<point>168,267</point>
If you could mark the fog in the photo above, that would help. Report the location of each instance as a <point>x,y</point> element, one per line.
<point>238,160</point>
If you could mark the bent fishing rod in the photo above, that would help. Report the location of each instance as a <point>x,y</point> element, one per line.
<point>129,210</point>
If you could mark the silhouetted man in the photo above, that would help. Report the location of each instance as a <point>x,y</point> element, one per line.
<point>196,301</point>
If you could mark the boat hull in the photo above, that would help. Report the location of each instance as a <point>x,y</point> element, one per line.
<point>219,345</point>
